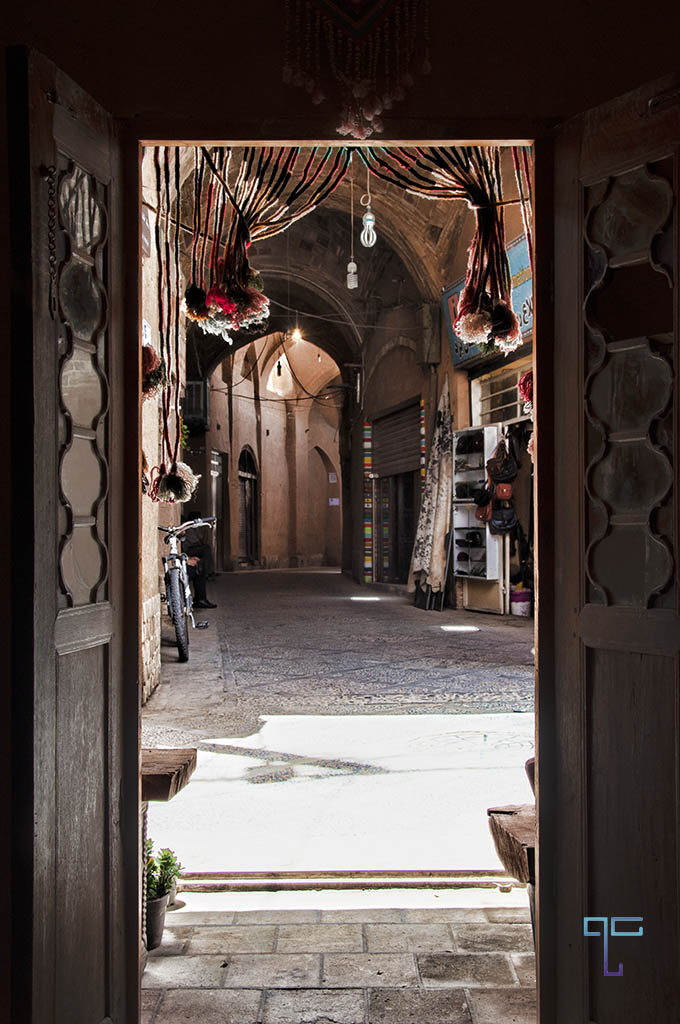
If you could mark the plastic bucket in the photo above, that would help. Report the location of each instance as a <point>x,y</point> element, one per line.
<point>520,602</point>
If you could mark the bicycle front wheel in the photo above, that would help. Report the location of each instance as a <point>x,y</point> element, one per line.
<point>176,600</point>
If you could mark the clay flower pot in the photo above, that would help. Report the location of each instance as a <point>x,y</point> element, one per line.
<point>155,921</point>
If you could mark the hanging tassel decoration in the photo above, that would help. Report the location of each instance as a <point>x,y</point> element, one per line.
<point>369,53</point>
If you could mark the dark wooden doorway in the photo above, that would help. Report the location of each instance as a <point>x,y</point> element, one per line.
<point>396,529</point>
<point>248,509</point>
<point>75,385</point>
<point>609,629</point>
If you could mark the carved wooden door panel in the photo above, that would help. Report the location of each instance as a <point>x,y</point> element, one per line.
<point>609,702</point>
<point>80,885</point>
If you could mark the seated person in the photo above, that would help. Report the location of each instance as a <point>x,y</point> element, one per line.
<point>196,542</point>
<point>199,562</point>
<point>197,577</point>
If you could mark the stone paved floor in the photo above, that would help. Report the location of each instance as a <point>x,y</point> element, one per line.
<point>360,966</point>
<point>286,642</point>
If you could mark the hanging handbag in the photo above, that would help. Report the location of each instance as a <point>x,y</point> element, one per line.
<point>501,467</point>
<point>502,519</point>
<point>482,496</point>
<point>504,491</point>
<point>483,513</point>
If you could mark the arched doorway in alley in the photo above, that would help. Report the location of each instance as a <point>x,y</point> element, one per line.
<point>248,505</point>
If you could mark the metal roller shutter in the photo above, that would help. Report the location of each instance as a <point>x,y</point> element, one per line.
<point>396,442</point>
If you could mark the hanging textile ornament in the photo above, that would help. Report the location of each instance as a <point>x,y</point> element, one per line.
<point>362,53</point>
<point>154,376</point>
<point>473,173</point>
<point>262,194</point>
<point>525,386</point>
<point>176,485</point>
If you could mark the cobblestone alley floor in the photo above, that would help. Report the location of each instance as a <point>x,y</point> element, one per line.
<point>307,642</point>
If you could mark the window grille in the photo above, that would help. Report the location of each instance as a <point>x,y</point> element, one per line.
<point>499,398</point>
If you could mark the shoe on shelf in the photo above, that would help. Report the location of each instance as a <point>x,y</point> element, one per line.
<point>204,604</point>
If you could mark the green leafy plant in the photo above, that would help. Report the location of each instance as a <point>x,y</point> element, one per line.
<point>184,436</point>
<point>161,871</point>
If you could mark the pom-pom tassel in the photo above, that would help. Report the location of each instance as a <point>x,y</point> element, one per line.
<point>176,485</point>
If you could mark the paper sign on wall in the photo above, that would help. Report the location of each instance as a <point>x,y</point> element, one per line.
<point>334,501</point>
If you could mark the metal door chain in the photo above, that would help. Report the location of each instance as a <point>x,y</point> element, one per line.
<point>49,174</point>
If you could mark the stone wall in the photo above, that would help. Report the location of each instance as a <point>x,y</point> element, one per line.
<point>151,645</point>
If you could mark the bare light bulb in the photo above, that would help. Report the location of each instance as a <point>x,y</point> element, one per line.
<point>318,357</point>
<point>368,235</point>
<point>352,276</point>
<point>296,335</point>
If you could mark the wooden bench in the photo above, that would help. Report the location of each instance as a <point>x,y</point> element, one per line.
<point>514,834</point>
<point>165,771</point>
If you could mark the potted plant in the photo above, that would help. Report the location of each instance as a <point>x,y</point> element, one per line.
<point>169,869</point>
<point>161,877</point>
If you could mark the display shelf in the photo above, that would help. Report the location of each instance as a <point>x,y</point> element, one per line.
<point>472,448</point>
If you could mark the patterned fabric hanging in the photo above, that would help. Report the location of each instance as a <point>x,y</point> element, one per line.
<point>253,193</point>
<point>371,50</point>
<point>428,563</point>
<point>473,173</point>
<point>171,480</point>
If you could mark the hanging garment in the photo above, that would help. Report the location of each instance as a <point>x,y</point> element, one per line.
<point>428,563</point>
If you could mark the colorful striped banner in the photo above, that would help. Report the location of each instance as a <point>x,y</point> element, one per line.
<point>368,503</point>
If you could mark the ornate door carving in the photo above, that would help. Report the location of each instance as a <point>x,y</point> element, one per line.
<point>79,949</point>
<point>609,718</point>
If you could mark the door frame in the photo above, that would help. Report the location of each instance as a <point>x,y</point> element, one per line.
<point>133,136</point>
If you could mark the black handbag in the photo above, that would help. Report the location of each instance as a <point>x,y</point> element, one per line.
<point>482,496</point>
<point>501,467</point>
<point>503,518</point>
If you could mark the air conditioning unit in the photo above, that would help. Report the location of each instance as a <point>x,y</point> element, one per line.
<point>196,405</point>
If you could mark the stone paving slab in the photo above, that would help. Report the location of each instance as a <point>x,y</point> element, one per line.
<point>150,1000</point>
<point>507,915</point>
<point>309,1006</point>
<point>525,968</point>
<point>441,970</point>
<point>217,1006</point>
<point>184,972</point>
<point>252,938</point>
<point>448,914</point>
<point>408,938</point>
<point>369,970</point>
<point>479,938</point>
<point>276,917</point>
<point>507,1006</point>
<point>373,914</point>
<point>201,917</point>
<point>417,1007</point>
<point>273,970</point>
<point>320,938</point>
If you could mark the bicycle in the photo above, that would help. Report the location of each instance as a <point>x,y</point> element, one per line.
<point>177,587</point>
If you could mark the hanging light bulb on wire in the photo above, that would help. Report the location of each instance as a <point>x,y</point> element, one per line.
<point>368,235</point>
<point>352,276</point>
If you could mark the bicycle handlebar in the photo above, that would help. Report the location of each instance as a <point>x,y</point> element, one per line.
<point>176,530</point>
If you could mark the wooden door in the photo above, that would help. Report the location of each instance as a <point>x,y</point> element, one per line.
<point>609,629</point>
<point>76,938</point>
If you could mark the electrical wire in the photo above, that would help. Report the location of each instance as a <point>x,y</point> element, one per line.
<point>338,323</point>
<point>258,398</point>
